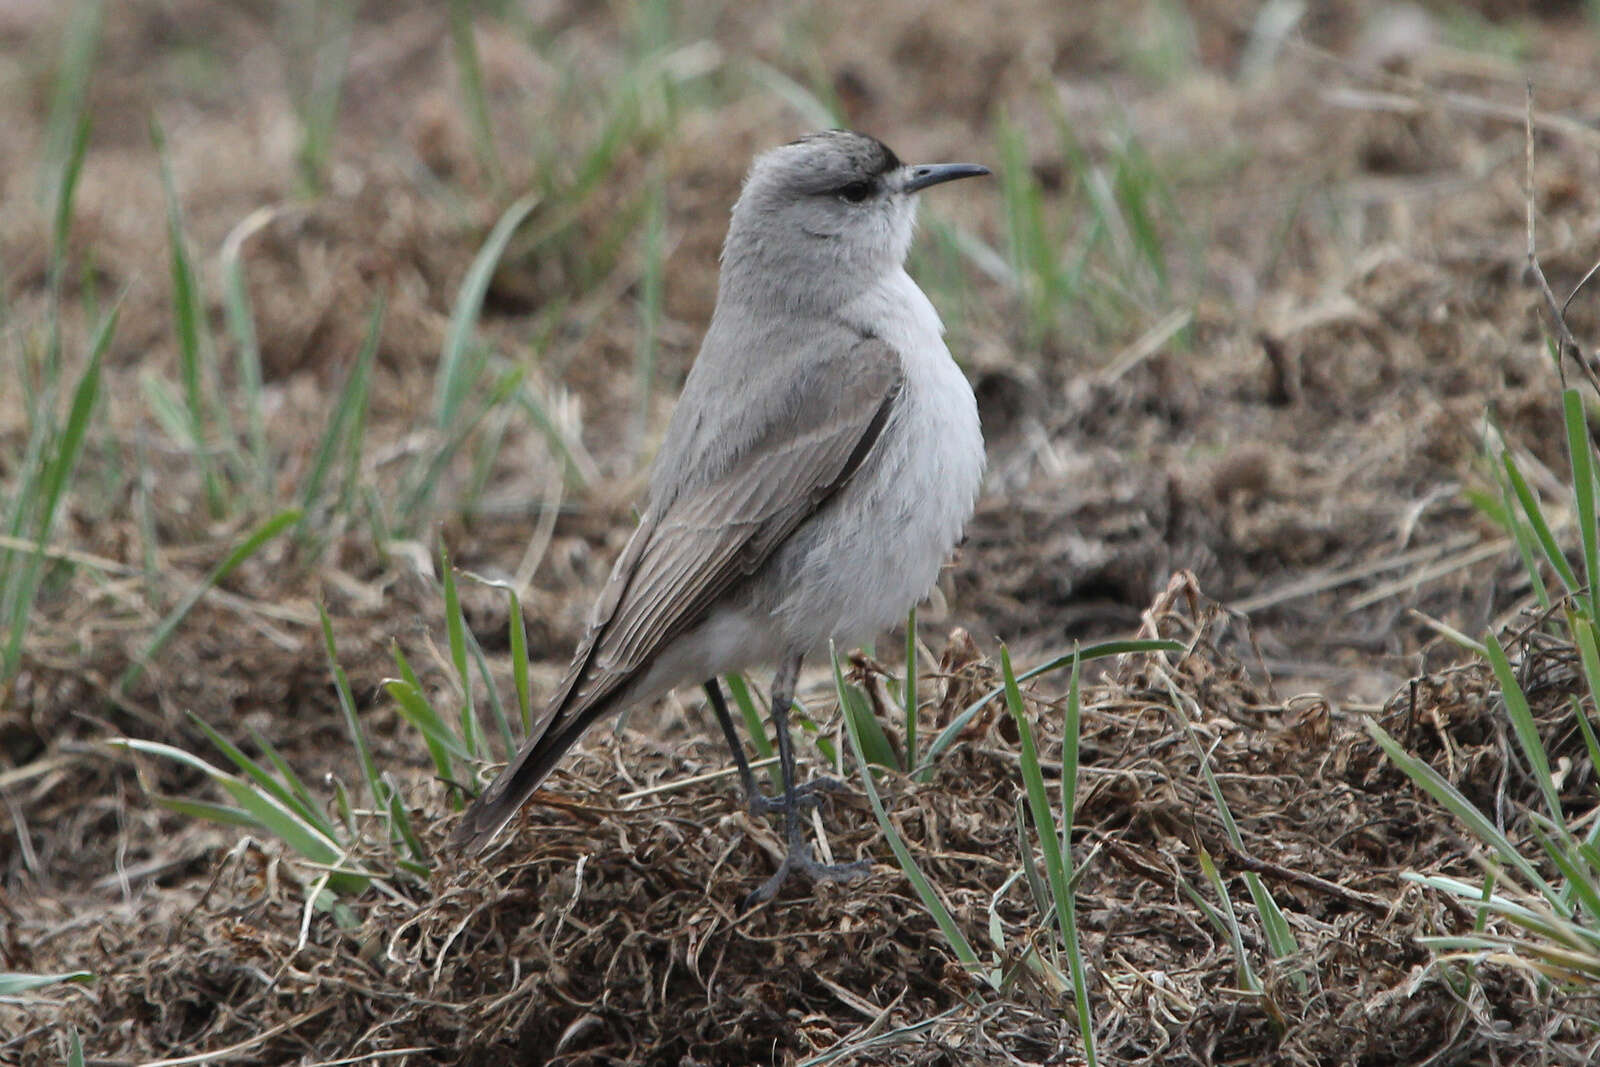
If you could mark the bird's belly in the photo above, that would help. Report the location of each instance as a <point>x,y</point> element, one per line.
<point>875,550</point>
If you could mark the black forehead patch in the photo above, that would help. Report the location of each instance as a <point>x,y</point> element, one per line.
<point>890,160</point>
<point>863,153</point>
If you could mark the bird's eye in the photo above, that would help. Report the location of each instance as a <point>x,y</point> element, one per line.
<point>855,192</point>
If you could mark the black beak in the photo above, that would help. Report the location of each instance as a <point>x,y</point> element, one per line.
<point>920,177</point>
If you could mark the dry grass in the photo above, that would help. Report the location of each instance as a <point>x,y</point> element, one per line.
<point>605,930</point>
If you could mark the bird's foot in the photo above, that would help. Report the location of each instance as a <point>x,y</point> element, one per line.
<point>807,795</point>
<point>799,861</point>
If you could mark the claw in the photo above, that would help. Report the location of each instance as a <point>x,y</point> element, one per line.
<point>794,799</point>
<point>799,861</point>
<point>806,796</point>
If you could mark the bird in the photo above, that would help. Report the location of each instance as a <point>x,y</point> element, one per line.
<point>818,469</point>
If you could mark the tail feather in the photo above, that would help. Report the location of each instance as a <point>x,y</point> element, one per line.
<point>523,775</point>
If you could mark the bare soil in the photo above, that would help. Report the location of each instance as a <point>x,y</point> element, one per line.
<point>1344,225</point>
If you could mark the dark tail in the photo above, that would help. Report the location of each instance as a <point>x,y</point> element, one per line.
<point>533,763</point>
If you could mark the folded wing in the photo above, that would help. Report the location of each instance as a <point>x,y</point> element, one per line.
<point>681,560</point>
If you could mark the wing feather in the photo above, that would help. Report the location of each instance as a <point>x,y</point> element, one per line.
<point>702,542</point>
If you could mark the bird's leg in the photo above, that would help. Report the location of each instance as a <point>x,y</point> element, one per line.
<point>807,794</point>
<point>798,855</point>
<point>747,780</point>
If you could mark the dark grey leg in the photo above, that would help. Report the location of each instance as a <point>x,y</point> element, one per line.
<point>798,858</point>
<point>806,795</point>
<point>747,780</point>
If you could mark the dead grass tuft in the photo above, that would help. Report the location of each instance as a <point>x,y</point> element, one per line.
<point>604,929</point>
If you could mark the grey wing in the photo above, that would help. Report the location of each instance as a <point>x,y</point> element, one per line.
<point>700,543</point>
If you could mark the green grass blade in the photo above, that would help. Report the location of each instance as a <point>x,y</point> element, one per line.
<point>1590,855</point>
<point>69,95</point>
<point>400,823</point>
<point>1042,286</point>
<point>291,781</point>
<point>222,814</point>
<point>1139,193</point>
<point>518,628</point>
<point>464,46</point>
<point>58,473</point>
<point>948,735</point>
<point>347,705</point>
<point>432,467</point>
<point>1213,916</point>
<point>1540,923</point>
<point>1571,862</point>
<point>1280,937</point>
<point>455,626</point>
<point>1281,941</point>
<point>997,930</point>
<point>1057,860</point>
<point>880,751</point>
<point>490,441</point>
<point>1527,542</point>
<point>1591,743</point>
<point>29,473</point>
<point>189,319</point>
<point>301,837</point>
<point>1541,528</point>
<point>517,634</point>
<point>739,689</point>
<point>168,409</point>
<point>1583,634</point>
<point>1036,886</point>
<point>1435,785</point>
<point>1456,637</point>
<point>817,112</point>
<point>579,474</point>
<point>831,755</point>
<point>347,417</point>
<point>1044,824</point>
<point>268,815</point>
<point>345,807</point>
<point>241,321</point>
<point>14,983</point>
<point>262,778</point>
<point>887,1039</point>
<point>1523,726</point>
<point>919,882</point>
<point>497,710</point>
<point>262,534</point>
<point>436,734</point>
<point>324,32</point>
<point>1580,451</point>
<point>1230,921</point>
<point>59,467</point>
<point>61,220</point>
<point>451,384</point>
<point>1071,731</point>
<point>1493,506</point>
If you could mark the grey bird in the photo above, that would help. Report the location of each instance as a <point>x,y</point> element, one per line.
<point>820,465</point>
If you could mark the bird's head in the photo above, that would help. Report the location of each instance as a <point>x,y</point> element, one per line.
<point>837,202</point>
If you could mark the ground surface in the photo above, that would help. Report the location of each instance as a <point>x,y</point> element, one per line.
<point>1288,306</point>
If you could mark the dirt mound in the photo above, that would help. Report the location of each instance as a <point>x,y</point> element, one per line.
<point>605,929</point>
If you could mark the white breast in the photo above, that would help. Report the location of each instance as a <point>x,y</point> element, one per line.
<point>906,508</point>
